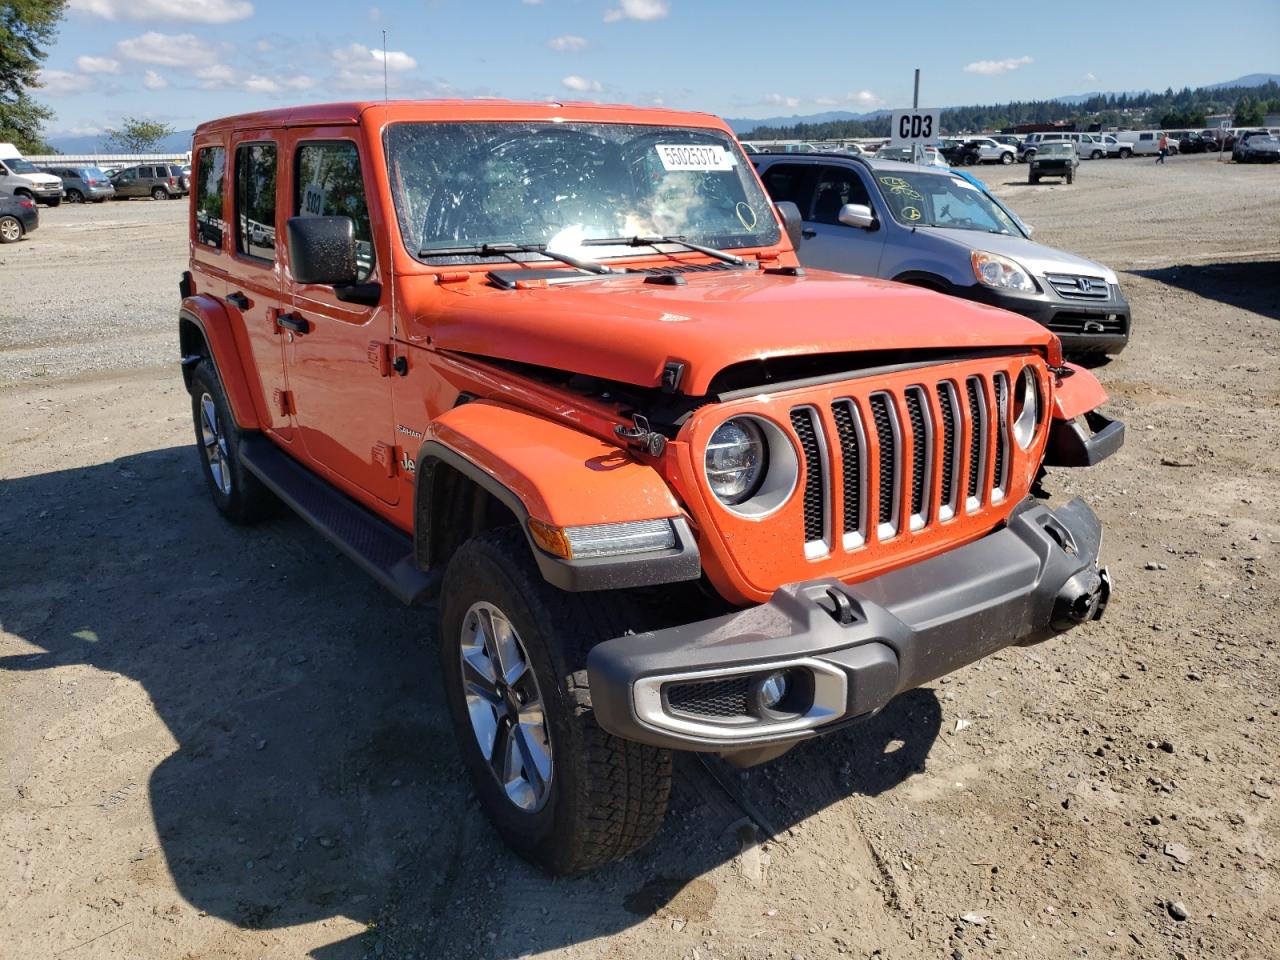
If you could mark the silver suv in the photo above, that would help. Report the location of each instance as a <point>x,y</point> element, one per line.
<point>160,181</point>
<point>940,229</point>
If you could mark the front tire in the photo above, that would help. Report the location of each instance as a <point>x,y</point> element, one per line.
<point>1006,158</point>
<point>237,493</point>
<point>10,229</point>
<point>1096,155</point>
<point>563,793</point>
<point>1126,154</point>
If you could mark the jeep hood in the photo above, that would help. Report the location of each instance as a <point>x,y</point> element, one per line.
<point>1036,257</point>
<point>626,330</point>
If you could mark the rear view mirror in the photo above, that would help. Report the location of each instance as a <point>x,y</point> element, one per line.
<point>857,215</point>
<point>322,250</point>
<point>792,222</point>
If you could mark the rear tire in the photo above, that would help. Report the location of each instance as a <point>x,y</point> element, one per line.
<point>1071,178</point>
<point>53,202</point>
<point>1096,155</point>
<point>572,797</point>
<point>10,229</point>
<point>75,196</point>
<point>159,193</point>
<point>1006,158</point>
<point>237,493</point>
<point>1033,178</point>
<point>1126,154</point>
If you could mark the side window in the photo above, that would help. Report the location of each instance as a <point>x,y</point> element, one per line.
<point>791,181</point>
<point>1144,136</point>
<point>210,170</point>
<point>256,200</point>
<point>836,187</point>
<point>329,184</point>
<point>145,173</point>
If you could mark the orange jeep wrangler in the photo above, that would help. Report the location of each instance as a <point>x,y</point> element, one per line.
<point>557,365</point>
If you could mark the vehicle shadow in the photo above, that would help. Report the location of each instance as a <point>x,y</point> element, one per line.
<point>315,774</point>
<point>1252,285</point>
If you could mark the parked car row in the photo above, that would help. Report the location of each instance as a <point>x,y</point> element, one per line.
<point>50,184</point>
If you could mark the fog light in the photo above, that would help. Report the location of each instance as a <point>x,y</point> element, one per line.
<point>773,690</point>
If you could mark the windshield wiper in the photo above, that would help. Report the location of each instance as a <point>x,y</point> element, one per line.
<point>507,249</point>
<point>643,241</point>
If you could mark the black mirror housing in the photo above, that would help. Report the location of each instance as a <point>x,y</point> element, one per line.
<point>792,222</point>
<point>322,250</point>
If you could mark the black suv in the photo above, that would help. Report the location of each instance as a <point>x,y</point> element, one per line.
<point>1057,158</point>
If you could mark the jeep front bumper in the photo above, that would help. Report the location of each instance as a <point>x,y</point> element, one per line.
<point>849,649</point>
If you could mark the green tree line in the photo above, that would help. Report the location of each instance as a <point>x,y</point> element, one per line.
<point>1172,109</point>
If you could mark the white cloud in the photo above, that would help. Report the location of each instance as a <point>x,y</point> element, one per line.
<point>825,101</point>
<point>165,49</point>
<point>215,75</point>
<point>62,83</point>
<point>638,10</point>
<point>865,99</point>
<point>1090,77</point>
<point>219,76</point>
<point>188,11</point>
<point>778,100</point>
<point>581,84</point>
<point>98,64</point>
<point>567,43</point>
<point>360,68</point>
<point>993,68</point>
<point>154,81</point>
<point>532,3</point>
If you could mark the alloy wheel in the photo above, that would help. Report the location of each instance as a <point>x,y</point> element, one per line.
<point>214,442</point>
<point>10,229</point>
<point>505,706</point>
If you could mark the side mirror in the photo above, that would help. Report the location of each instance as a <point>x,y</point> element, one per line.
<point>322,250</point>
<point>792,222</point>
<point>857,215</point>
<point>1029,228</point>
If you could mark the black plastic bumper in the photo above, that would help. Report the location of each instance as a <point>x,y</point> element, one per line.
<point>1083,326</point>
<point>1073,443</point>
<point>865,643</point>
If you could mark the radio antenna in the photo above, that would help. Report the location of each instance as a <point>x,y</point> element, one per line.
<point>391,247</point>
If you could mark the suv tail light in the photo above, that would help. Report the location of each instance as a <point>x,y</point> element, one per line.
<point>24,202</point>
<point>173,182</point>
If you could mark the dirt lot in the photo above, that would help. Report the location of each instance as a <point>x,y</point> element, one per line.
<point>223,743</point>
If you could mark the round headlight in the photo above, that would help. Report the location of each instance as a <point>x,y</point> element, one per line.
<point>1026,407</point>
<point>737,458</point>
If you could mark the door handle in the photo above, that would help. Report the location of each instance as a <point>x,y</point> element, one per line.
<point>238,300</point>
<point>289,321</point>
<point>808,232</point>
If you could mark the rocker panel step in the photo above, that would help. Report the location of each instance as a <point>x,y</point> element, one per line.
<point>381,550</point>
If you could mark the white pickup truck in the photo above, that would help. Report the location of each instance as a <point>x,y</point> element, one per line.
<point>20,177</point>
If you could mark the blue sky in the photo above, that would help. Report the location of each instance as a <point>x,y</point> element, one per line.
<point>184,61</point>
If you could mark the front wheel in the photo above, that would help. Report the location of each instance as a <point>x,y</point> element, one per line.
<point>1071,178</point>
<point>1033,178</point>
<point>1096,155</point>
<point>563,793</point>
<point>53,201</point>
<point>10,229</point>
<point>1126,154</point>
<point>1006,158</point>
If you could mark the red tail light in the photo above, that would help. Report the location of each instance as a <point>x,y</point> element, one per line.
<point>24,202</point>
<point>173,182</point>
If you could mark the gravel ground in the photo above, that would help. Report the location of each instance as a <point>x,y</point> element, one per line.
<point>227,743</point>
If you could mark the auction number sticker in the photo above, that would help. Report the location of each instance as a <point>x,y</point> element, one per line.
<point>313,200</point>
<point>694,157</point>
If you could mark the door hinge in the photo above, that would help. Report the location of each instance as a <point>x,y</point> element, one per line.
<point>284,401</point>
<point>384,454</point>
<point>380,357</point>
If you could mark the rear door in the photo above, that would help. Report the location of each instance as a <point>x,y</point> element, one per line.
<point>341,394</point>
<point>829,244</point>
<point>253,271</point>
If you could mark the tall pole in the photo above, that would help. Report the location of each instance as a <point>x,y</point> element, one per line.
<point>915,99</point>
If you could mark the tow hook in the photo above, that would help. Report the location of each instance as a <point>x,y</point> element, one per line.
<point>639,434</point>
<point>1082,598</point>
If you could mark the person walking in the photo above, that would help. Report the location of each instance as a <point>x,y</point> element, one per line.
<point>1164,148</point>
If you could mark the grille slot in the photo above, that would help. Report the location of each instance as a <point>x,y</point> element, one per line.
<point>999,481</point>
<point>852,452</point>
<point>802,420</point>
<point>921,461</point>
<point>946,401</point>
<point>724,699</point>
<point>887,434</point>
<point>977,441</point>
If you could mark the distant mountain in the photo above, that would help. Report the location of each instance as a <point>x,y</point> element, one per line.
<point>178,142</point>
<point>1248,80</point>
<point>743,125</point>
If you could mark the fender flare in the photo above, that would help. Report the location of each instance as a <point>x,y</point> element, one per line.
<point>925,279</point>
<point>466,440</point>
<point>209,316</point>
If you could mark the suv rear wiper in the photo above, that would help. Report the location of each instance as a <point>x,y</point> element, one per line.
<point>643,241</point>
<point>506,249</point>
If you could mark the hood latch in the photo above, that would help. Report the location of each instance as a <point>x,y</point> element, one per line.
<point>639,435</point>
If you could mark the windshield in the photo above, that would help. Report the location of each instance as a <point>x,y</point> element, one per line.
<point>1057,150</point>
<point>19,165</point>
<point>935,200</point>
<point>558,184</point>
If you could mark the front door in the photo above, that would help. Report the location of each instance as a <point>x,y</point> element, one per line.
<point>829,244</point>
<point>341,395</point>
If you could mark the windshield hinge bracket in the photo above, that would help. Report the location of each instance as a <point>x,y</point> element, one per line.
<point>639,435</point>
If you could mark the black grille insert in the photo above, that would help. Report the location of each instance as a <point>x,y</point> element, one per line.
<point>919,449</point>
<point>975,437</point>
<point>851,452</point>
<point>945,399</point>
<point>802,422</point>
<point>888,454</point>
<point>1002,430</point>
<point>724,699</point>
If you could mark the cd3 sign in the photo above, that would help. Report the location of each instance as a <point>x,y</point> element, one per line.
<point>910,127</point>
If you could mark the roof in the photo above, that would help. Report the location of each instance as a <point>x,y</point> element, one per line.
<point>349,113</point>
<point>869,161</point>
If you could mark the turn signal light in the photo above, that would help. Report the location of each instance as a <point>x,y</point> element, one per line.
<point>603,539</point>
